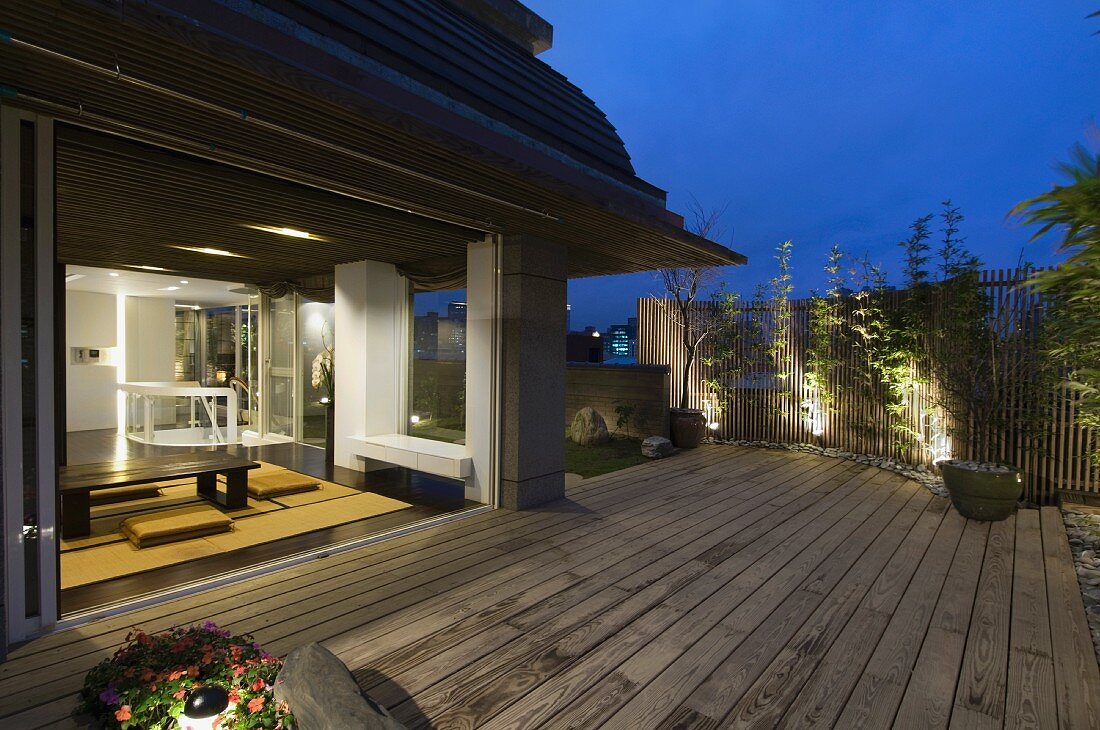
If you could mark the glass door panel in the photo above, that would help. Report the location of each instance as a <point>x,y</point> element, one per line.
<point>279,391</point>
<point>315,338</point>
<point>437,377</point>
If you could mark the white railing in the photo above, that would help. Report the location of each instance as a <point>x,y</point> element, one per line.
<point>153,415</point>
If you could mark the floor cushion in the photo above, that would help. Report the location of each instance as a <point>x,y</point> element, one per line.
<point>266,486</point>
<point>124,494</point>
<point>174,525</point>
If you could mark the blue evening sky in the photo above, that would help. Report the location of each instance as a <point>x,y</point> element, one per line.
<point>833,122</point>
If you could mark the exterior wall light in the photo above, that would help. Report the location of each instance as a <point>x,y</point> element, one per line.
<point>203,708</point>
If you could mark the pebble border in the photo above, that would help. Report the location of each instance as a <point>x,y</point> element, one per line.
<point>918,473</point>
<point>1083,532</point>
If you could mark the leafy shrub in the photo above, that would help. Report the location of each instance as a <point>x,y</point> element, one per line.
<point>146,683</point>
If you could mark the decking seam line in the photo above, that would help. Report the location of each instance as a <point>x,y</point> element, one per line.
<point>872,473</point>
<point>824,598</point>
<point>871,584</point>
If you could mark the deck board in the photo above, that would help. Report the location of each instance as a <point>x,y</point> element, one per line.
<point>723,587</point>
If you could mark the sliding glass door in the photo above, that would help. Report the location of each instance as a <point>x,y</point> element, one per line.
<point>279,387</point>
<point>315,338</point>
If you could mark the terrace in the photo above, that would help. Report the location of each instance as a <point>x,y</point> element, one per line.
<point>723,587</point>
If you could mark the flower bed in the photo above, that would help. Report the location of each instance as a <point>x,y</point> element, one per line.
<point>146,683</point>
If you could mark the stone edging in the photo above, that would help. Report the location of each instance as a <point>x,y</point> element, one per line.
<point>1083,533</point>
<point>919,473</point>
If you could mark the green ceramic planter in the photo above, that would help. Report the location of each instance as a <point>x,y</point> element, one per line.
<point>981,495</point>
<point>686,426</point>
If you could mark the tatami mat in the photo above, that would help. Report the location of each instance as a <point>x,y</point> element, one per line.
<point>103,562</point>
<point>107,554</point>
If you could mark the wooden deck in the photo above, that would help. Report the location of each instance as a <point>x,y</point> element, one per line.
<point>725,587</point>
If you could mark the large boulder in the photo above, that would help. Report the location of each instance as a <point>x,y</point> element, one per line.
<point>323,695</point>
<point>589,428</point>
<point>657,447</point>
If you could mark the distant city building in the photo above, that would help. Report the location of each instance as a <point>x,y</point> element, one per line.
<point>457,311</point>
<point>584,346</point>
<point>441,338</point>
<point>622,339</point>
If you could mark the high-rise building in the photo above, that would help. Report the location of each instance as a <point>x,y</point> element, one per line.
<point>622,339</point>
<point>457,311</point>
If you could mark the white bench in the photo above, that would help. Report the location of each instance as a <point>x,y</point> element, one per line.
<point>433,457</point>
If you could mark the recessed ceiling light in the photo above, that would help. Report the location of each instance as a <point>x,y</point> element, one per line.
<point>168,288</point>
<point>112,274</point>
<point>292,232</point>
<point>147,268</point>
<point>184,281</point>
<point>211,251</point>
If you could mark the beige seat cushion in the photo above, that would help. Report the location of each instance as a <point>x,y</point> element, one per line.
<point>266,486</point>
<point>175,525</point>
<point>124,494</point>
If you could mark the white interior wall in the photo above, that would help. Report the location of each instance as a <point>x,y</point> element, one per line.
<point>150,340</point>
<point>90,323</point>
<point>371,354</point>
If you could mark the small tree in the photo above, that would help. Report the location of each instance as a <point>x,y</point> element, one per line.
<point>685,286</point>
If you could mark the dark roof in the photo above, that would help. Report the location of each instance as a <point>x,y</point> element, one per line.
<point>443,51</point>
<point>201,80</point>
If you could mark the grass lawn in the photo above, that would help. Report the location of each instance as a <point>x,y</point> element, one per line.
<point>449,430</point>
<point>590,461</point>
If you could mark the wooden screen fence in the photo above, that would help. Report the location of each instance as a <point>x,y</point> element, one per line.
<point>759,406</point>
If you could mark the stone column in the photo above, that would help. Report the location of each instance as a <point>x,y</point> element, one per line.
<point>533,298</point>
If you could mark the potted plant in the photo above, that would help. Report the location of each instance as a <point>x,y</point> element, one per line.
<point>976,354</point>
<point>151,680</point>
<point>695,322</point>
<point>982,490</point>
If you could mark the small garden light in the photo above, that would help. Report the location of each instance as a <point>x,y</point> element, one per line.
<point>203,708</point>
<point>713,425</point>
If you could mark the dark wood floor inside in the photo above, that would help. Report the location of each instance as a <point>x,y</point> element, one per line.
<point>430,496</point>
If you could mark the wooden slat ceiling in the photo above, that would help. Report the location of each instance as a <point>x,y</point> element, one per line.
<point>316,136</point>
<point>124,204</point>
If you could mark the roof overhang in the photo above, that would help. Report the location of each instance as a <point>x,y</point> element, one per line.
<point>146,74</point>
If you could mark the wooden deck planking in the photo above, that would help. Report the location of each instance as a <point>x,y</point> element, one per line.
<point>720,588</point>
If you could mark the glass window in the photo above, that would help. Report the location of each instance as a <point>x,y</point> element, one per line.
<point>437,378</point>
<point>316,347</point>
<point>279,393</point>
<point>187,342</point>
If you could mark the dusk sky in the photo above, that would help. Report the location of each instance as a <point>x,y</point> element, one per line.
<point>833,122</point>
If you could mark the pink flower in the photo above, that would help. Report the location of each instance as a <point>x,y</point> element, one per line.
<point>123,713</point>
<point>180,694</point>
<point>255,705</point>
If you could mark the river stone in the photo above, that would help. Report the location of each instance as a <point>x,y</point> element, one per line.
<point>657,447</point>
<point>589,428</point>
<point>323,695</point>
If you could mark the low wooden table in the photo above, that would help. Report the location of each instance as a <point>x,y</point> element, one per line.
<point>77,482</point>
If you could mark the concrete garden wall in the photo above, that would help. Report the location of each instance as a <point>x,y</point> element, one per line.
<point>605,387</point>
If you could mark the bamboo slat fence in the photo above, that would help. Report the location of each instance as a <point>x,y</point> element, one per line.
<point>766,402</point>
